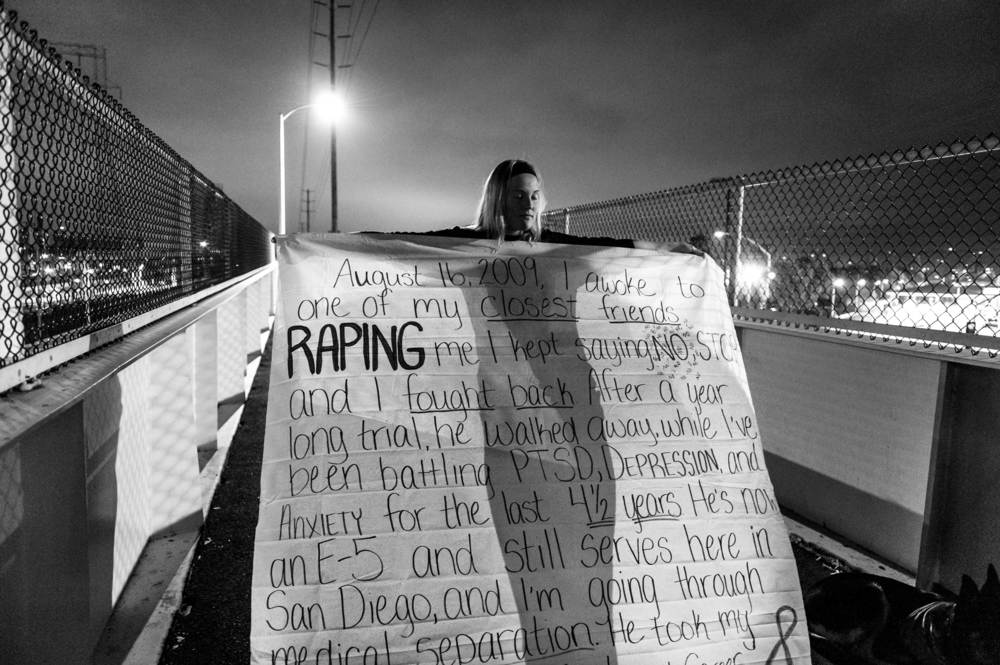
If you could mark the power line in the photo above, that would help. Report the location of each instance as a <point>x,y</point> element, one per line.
<point>313,33</point>
<point>344,52</point>
<point>346,38</point>
<point>350,32</point>
<point>364,36</point>
<point>353,45</point>
<point>350,37</point>
<point>325,176</point>
<point>96,56</point>
<point>307,206</point>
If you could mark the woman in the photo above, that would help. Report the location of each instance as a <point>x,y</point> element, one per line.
<point>512,202</point>
<point>511,208</point>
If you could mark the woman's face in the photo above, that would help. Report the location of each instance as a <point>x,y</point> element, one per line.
<point>523,203</point>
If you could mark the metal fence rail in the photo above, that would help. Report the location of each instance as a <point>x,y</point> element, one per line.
<point>100,220</point>
<point>908,239</point>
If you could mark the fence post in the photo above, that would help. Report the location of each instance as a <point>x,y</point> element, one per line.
<point>183,180</point>
<point>734,226</point>
<point>11,267</point>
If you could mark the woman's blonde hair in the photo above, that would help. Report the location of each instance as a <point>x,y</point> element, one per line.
<point>489,216</point>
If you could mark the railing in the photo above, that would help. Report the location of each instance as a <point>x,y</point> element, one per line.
<point>106,469</point>
<point>890,445</point>
<point>905,244</point>
<point>100,220</point>
<point>105,231</point>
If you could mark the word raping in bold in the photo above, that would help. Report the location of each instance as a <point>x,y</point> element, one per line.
<point>333,341</point>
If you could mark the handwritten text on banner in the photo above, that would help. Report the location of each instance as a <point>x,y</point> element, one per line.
<point>543,454</point>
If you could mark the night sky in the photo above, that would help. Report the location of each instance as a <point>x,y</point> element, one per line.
<point>606,98</point>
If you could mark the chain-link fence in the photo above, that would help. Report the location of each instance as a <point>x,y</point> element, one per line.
<point>903,242</point>
<point>100,220</point>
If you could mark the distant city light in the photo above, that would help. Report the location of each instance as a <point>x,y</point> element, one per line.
<point>754,274</point>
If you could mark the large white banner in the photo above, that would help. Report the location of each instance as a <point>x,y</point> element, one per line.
<point>538,453</point>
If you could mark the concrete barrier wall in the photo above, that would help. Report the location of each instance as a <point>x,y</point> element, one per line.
<point>889,446</point>
<point>962,533</point>
<point>105,458</point>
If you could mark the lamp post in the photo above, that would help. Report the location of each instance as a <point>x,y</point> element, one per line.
<point>332,107</point>
<point>738,259</point>
<point>838,283</point>
<point>281,164</point>
<point>767,255</point>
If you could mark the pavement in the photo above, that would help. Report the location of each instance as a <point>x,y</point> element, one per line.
<point>204,614</point>
<point>211,621</point>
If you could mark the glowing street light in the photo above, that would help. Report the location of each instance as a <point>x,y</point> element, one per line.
<point>750,273</point>
<point>332,108</point>
<point>838,283</point>
<point>719,235</point>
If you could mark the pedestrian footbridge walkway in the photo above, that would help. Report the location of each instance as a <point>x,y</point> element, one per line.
<point>203,613</point>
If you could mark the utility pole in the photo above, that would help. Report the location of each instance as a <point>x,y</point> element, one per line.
<point>96,57</point>
<point>333,126</point>
<point>308,211</point>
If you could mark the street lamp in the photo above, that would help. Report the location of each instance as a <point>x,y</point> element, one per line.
<point>331,107</point>
<point>838,283</point>
<point>767,255</point>
<point>738,262</point>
